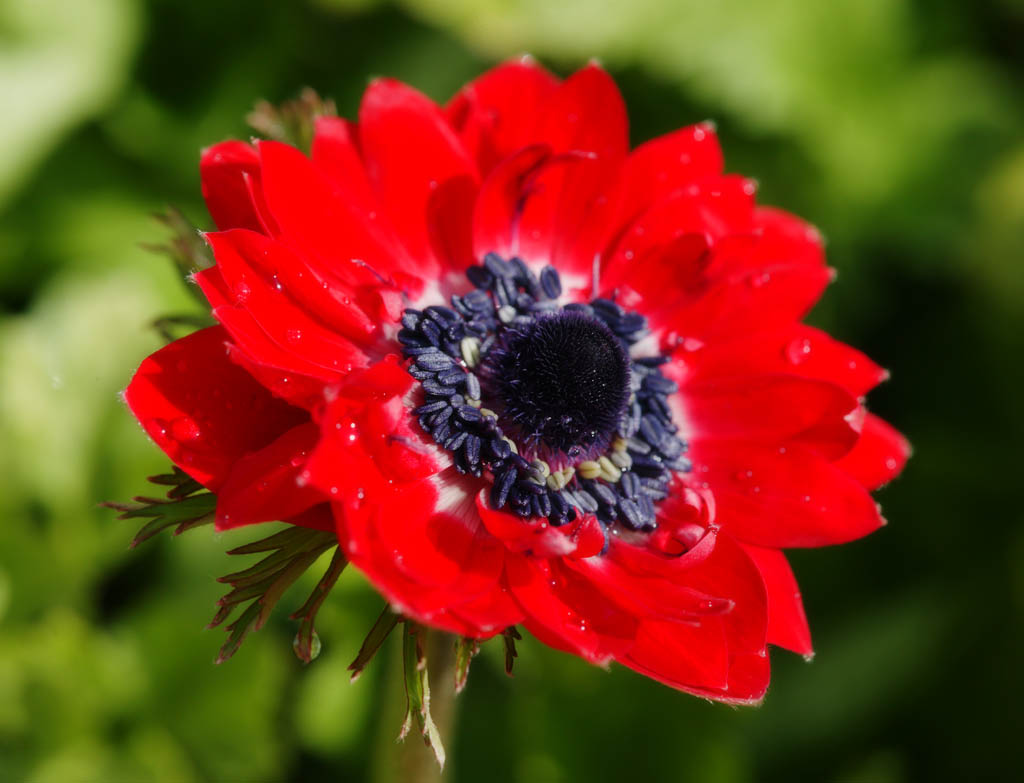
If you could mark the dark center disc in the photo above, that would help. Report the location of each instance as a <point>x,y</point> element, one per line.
<point>562,381</point>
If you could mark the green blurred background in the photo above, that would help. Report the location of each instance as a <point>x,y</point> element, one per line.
<point>894,125</point>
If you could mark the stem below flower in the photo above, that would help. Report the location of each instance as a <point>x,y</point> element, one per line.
<point>411,761</point>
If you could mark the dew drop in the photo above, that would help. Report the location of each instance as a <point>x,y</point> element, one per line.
<point>274,281</point>
<point>242,291</point>
<point>689,344</point>
<point>184,429</point>
<point>155,426</point>
<point>759,279</point>
<point>797,351</point>
<point>294,336</point>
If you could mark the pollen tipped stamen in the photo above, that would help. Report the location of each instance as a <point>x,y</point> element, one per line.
<point>591,431</point>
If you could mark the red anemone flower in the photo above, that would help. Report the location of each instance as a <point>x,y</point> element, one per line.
<point>528,375</point>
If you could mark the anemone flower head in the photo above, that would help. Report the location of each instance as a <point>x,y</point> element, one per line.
<point>528,375</point>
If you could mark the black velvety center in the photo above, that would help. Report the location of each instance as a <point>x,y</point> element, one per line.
<point>562,384</point>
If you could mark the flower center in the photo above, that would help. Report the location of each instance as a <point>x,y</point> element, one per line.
<point>544,400</point>
<point>561,383</point>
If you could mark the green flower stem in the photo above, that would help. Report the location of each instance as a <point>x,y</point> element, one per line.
<point>410,760</point>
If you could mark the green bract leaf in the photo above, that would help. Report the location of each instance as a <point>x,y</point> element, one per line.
<point>292,122</point>
<point>374,639</point>
<point>187,250</point>
<point>307,643</point>
<point>417,692</point>
<point>465,649</point>
<point>292,551</point>
<point>185,508</point>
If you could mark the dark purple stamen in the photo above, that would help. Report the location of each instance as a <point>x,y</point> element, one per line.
<point>563,387</point>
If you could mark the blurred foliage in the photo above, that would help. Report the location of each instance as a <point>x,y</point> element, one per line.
<point>895,126</point>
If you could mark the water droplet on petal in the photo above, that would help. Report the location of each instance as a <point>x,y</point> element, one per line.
<point>798,351</point>
<point>242,291</point>
<point>155,426</point>
<point>184,429</point>
<point>294,336</point>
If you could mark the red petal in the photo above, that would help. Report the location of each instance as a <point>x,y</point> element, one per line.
<point>586,119</point>
<point>501,201</point>
<point>285,271</point>
<point>787,623</point>
<point>661,167</point>
<point>662,278</point>
<point>263,486</point>
<point>497,114</point>
<point>286,324</point>
<point>715,566</point>
<point>782,497</point>
<point>223,169</point>
<point>204,411</point>
<point>295,389</point>
<point>365,410</point>
<point>564,611</point>
<point>536,537</point>
<point>381,381</point>
<point>879,455</point>
<point>419,541</point>
<point>682,655</point>
<point>711,210</point>
<point>494,609</point>
<point>411,154</point>
<point>338,235</point>
<point>586,114</point>
<point>657,597</point>
<point>755,301</point>
<point>319,517</point>
<point>766,279</point>
<point>797,349</point>
<point>335,153</point>
<point>285,374</point>
<point>772,409</point>
<point>749,674</point>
